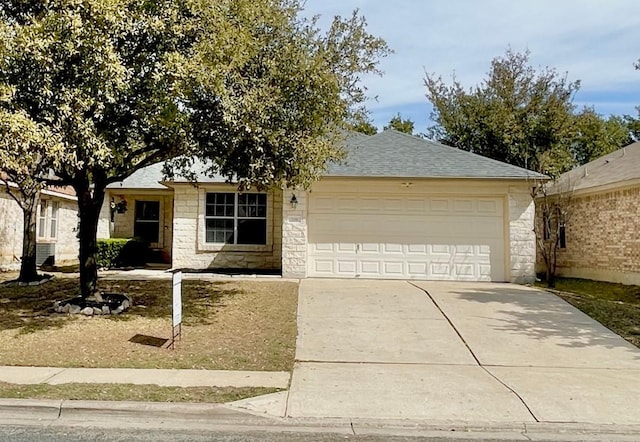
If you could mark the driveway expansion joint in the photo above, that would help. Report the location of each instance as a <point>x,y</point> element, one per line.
<point>520,398</point>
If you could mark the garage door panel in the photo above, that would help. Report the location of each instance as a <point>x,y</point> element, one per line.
<point>442,238</point>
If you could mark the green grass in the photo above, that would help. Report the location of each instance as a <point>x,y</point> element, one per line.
<point>129,392</point>
<point>616,306</point>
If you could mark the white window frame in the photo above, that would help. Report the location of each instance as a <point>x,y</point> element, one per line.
<point>49,215</point>
<point>236,218</point>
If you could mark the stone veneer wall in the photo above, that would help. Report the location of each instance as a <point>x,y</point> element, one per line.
<point>522,245</point>
<point>294,235</point>
<point>603,237</point>
<point>189,252</point>
<point>11,232</point>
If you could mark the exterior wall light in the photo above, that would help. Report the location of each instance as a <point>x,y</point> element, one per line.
<point>293,201</point>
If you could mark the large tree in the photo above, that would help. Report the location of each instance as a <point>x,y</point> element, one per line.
<point>27,150</point>
<point>594,135</point>
<point>248,84</point>
<point>515,115</point>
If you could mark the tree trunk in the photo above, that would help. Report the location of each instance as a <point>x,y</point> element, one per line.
<point>551,278</point>
<point>89,206</point>
<point>28,270</point>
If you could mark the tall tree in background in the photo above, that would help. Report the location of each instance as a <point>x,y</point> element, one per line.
<point>27,150</point>
<point>400,124</point>
<point>362,124</point>
<point>634,122</point>
<point>593,135</point>
<point>247,84</point>
<point>516,115</point>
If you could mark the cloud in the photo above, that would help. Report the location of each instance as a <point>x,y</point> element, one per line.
<point>592,40</point>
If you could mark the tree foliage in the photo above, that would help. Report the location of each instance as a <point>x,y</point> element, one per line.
<point>593,135</point>
<point>401,124</point>
<point>26,151</point>
<point>363,125</point>
<point>515,115</point>
<point>247,84</point>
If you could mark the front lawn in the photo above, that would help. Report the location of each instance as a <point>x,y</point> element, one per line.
<point>616,306</point>
<point>129,392</point>
<point>227,325</point>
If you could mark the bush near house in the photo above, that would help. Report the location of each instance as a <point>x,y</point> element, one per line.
<point>121,252</point>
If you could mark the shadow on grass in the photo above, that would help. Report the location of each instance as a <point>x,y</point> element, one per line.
<point>30,309</point>
<point>151,341</point>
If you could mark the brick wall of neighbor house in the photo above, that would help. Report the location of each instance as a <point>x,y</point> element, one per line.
<point>603,237</point>
<point>522,237</point>
<point>11,232</point>
<point>123,224</point>
<point>294,235</point>
<point>189,249</point>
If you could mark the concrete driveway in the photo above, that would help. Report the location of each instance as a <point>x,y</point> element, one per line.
<point>457,352</point>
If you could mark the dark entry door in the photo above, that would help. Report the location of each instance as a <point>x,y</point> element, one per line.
<point>147,223</point>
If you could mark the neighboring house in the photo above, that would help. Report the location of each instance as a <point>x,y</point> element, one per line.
<point>398,207</point>
<point>56,228</point>
<point>600,238</point>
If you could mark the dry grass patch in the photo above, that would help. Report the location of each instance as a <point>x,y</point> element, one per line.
<point>234,325</point>
<point>129,392</point>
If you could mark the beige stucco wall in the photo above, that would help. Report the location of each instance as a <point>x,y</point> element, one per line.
<point>189,248</point>
<point>123,224</point>
<point>603,237</point>
<point>66,250</point>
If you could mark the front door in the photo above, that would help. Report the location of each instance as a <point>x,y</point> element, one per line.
<point>147,222</point>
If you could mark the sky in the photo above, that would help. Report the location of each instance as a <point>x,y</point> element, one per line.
<point>594,41</point>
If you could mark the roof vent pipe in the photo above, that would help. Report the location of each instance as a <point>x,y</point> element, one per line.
<point>586,171</point>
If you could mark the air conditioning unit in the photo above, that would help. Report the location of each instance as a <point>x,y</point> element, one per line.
<point>45,254</point>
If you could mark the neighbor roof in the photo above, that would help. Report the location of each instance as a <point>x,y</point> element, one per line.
<point>616,167</point>
<point>395,154</point>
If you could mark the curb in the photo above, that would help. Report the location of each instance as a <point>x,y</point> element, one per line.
<point>207,416</point>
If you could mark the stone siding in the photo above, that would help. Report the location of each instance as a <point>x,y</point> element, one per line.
<point>603,237</point>
<point>190,250</point>
<point>11,224</point>
<point>522,239</point>
<point>294,235</point>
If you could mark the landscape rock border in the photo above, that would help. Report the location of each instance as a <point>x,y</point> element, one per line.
<point>109,304</point>
<point>15,283</point>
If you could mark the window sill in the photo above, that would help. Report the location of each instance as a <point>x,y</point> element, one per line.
<point>211,247</point>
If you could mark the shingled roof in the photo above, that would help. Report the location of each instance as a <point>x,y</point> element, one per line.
<point>388,154</point>
<point>616,167</point>
<point>395,154</point>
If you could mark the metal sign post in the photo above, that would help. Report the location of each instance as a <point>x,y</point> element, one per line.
<point>176,319</point>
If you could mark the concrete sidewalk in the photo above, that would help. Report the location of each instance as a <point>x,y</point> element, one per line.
<point>164,378</point>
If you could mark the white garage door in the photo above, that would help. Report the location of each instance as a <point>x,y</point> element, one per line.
<point>424,237</point>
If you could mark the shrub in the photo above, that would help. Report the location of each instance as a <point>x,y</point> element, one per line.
<point>121,252</point>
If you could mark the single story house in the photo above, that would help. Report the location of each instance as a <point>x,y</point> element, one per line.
<point>398,207</point>
<point>56,229</point>
<point>600,238</point>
